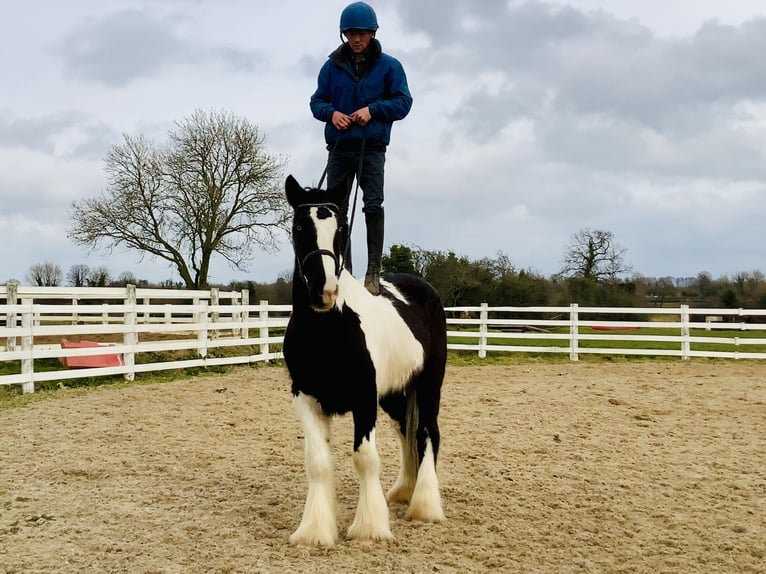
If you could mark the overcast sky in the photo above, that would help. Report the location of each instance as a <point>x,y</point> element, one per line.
<point>531,121</point>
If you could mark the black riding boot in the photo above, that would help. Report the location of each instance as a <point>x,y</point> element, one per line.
<point>374,223</point>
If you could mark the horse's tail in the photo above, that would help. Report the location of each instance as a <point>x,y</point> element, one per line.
<point>425,502</point>
<point>411,426</point>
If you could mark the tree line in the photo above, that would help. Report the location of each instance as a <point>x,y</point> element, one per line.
<point>496,281</point>
<point>213,190</point>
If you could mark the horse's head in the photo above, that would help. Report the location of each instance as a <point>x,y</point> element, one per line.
<point>318,234</point>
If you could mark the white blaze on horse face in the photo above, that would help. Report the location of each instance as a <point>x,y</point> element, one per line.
<point>326,228</point>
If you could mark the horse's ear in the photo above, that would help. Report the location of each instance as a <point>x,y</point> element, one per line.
<point>293,191</point>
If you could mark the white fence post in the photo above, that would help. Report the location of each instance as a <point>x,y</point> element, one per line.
<point>686,345</point>
<point>147,315</point>
<point>245,302</point>
<point>130,336</point>
<point>202,320</point>
<point>11,298</point>
<point>27,346</point>
<point>214,316</point>
<point>574,332</point>
<point>195,315</point>
<point>741,328</point>
<point>35,318</point>
<point>263,315</point>
<point>483,320</point>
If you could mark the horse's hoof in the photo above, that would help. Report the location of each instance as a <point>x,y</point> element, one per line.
<point>366,532</point>
<point>422,513</point>
<point>312,537</point>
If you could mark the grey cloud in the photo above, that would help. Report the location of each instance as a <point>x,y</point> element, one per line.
<point>35,134</point>
<point>42,133</point>
<point>130,45</point>
<point>594,62</point>
<point>600,91</point>
<point>725,61</point>
<point>120,48</point>
<point>235,59</point>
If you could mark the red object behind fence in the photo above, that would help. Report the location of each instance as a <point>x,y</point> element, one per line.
<point>85,361</point>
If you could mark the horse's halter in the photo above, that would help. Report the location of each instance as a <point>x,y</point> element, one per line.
<point>301,261</point>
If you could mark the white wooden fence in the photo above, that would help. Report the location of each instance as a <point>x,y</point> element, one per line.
<point>143,326</point>
<point>158,329</point>
<point>681,332</point>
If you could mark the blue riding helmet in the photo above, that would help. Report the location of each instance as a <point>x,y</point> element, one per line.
<point>358,16</point>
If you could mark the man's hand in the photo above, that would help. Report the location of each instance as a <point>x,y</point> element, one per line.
<point>361,116</point>
<point>341,121</point>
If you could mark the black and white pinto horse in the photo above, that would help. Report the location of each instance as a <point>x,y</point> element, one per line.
<point>348,351</point>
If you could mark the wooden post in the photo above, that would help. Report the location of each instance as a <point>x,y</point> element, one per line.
<point>574,332</point>
<point>28,346</point>
<point>130,336</point>
<point>215,315</point>
<point>686,345</point>
<point>483,320</point>
<point>263,315</point>
<point>245,302</point>
<point>202,326</point>
<point>195,315</point>
<point>75,316</point>
<point>11,321</point>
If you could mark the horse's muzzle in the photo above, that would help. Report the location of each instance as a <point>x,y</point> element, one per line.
<point>327,303</point>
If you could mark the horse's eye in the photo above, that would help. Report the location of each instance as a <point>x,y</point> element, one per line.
<point>298,228</point>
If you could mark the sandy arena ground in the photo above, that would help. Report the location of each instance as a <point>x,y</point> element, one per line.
<point>572,467</point>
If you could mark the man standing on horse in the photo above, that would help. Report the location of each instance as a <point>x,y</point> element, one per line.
<point>360,92</point>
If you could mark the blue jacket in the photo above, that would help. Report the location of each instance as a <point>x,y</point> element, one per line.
<point>381,85</point>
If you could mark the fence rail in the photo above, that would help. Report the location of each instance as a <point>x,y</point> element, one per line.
<point>157,329</point>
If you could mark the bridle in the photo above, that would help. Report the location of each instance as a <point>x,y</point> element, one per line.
<point>301,262</point>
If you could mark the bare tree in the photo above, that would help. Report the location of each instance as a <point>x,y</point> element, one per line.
<point>213,189</point>
<point>594,255</point>
<point>99,277</point>
<point>127,278</point>
<point>45,274</point>
<point>77,276</point>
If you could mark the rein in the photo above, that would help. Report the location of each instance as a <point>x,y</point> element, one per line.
<point>340,263</point>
